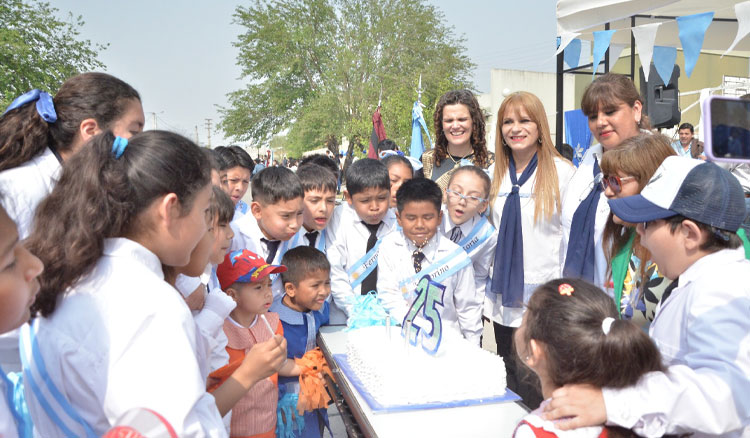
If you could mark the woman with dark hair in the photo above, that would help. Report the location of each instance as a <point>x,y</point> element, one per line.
<point>459,136</point>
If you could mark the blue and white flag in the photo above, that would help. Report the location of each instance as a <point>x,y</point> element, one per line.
<point>417,125</point>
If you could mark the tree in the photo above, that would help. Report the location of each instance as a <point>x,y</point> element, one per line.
<point>37,50</point>
<point>316,68</point>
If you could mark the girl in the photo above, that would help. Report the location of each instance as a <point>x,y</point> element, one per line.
<point>459,135</point>
<point>18,286</point>
<point>399,171</point>
<point>613,106</point>
<point>529,179</point>
<point>634,279</point>
<point>111,333</point>
<point>570,334</point>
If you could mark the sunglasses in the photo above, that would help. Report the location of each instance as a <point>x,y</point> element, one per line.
<point>614,182</point>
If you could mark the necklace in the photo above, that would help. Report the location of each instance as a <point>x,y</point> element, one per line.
<point>458,163</point>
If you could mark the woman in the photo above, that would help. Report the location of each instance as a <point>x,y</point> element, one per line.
<point>459,135</point>
<point>635,280</point>
<point>613,107</point>
<point>528,181</point>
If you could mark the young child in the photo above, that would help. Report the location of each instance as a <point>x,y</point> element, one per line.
<point>419,249</point>
<point>399,171</point>
<point>687,217</point>
<point>274,220</point>
<point>112,335</point>
<point>319,185</point>
<point>238,167</point>
<point>570,334</point>
<point>18,287</point>
<point>245,277</point>
<point>303,309</point>
<point>360,224</point>
<point>465,223</point>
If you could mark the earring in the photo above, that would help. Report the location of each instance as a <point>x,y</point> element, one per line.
<point>539,140</point>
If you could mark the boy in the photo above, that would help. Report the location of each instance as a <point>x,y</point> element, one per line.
<point>303,309</point>
<point>359,224</point>
<point>275,218</point>
<point>238,167</point>
<point>465,223</point>
<point>687,217</point>
<point>319,185</point>
<point>418,250</point>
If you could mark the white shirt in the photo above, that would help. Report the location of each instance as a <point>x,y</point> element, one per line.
<point>7,423</point>
<point>482,256</point>
<point>578,189</point>
<point>542,241</point>
<point>462,303</point>
<point>703,333</point>
<point>344,250</point>
<point>123,338</point>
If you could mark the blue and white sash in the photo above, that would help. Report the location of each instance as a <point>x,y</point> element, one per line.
<point>438,271</point>
<point>362,267</point>
<point>482,231</point>
<point>55,404</point>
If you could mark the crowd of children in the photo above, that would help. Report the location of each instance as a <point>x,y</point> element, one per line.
<point>148,281</point>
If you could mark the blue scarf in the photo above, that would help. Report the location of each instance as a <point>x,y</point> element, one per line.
<point>579,260</point>
<point>507,278</point>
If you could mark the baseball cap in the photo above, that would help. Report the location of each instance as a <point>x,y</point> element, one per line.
<point>244,266</point>
<point>701,191</point>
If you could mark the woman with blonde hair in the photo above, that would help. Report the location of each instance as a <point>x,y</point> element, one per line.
<point>528,181</point>
<point>632,276</point>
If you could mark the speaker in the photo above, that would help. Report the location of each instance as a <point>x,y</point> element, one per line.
<point>661,102</point>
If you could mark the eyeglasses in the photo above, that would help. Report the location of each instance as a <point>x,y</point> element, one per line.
<point>614,182</point>
<point>471,200</point>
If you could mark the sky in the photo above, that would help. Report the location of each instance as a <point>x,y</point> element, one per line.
<point>179,55</point>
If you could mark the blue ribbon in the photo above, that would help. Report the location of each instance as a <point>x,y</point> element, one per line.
<point>507,278</point>
<point>44,105</point>
<point>118,146</point>
<point>579,260</point>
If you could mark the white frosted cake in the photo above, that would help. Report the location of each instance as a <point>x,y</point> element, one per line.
<point>397,375</point>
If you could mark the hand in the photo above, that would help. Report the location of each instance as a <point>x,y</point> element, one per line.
<point>578,405</point>
<point>264,359</point>
<point>197,298</point>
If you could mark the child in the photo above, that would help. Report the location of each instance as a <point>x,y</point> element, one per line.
<point>687,217</point>
<point>319,185</point>
<point>274,220</point>
<point>570,334</point>
<point>361,223</point>
<point>465,223</point>
<point>399,171</point>
<point>418,249</point>
<point>238,167</point>
<point>18,286</point>
<point>245,277</point>
<point>302,308</point>
<point>112,334</point>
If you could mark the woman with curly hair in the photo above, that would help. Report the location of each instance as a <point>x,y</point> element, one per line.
<point>460,136</point>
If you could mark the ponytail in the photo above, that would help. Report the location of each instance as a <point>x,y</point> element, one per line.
<point>100,196</point>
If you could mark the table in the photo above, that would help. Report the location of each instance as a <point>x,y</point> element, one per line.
<point>488,420</point>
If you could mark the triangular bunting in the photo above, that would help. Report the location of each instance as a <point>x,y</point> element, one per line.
<point>645,36</point>
<point>572,53</point>
<point>692,30</point>
<point>664,59</point>
<point>565,39</point>
<point>742,11</point>
<point>614,54</point>
<point>601,44</point>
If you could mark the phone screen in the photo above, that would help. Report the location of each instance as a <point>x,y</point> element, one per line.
<point>730,129</point>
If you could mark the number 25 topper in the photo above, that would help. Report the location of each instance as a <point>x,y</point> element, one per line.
<point>429,293</point>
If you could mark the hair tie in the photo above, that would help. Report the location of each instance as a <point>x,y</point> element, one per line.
<point>607,324</point>
<point>118,146</point>
<point>44,104</point>
<point>565,289</point>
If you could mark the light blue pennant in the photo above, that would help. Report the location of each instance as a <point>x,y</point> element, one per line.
<point>692,30</point>
<point>572,53</point>
<point>601,44</point>
<point>664,59</point>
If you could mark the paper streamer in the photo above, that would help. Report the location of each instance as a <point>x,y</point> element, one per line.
<point>664,59</point>
<point>742,11</point>
<point>692,30</point>
<point>645,36</point>
<point>572,53</point>
<point>614,54</point>
<point>601,44</point>
<point>565,39</point>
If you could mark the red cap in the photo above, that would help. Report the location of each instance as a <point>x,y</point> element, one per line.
<point>244,267</point>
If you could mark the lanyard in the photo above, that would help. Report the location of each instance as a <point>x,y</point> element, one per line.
<point>620,268</point>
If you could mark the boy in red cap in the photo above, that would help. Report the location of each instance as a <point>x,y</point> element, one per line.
<point>247,279</point>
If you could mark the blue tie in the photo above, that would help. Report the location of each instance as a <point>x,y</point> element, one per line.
<point>579,260</point>
<point>507,278</point>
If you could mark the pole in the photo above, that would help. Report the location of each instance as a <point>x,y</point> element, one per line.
<point>197,141</point>
<point>559,103</point>
<point>208,129</point>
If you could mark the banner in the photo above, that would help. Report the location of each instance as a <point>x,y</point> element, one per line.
<point>664,59</point>
<point>742,11</point>
<point>377,135</point>
<point>577,134</point>
<point>645,37</point>
<point>417,125</point>
<point>601,44</point>
<point>692,30</point>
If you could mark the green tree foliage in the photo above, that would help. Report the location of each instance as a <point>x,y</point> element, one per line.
<point>38,50</point>
<point>316,68</point>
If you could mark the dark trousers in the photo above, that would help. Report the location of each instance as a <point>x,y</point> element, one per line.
<point>521,379</point>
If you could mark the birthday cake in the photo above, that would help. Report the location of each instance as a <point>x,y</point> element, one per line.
<point>396,373</point>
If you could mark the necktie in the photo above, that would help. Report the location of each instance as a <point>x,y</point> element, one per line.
<point>272,246</point>
<point>507,278</point>
<point>456,234</point>
<point>371,281</point>
<point>312,236</point>
<point>579,260</point>
<point>417,257</point>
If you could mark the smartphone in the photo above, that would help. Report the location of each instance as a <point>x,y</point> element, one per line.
<point>726,129</point>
